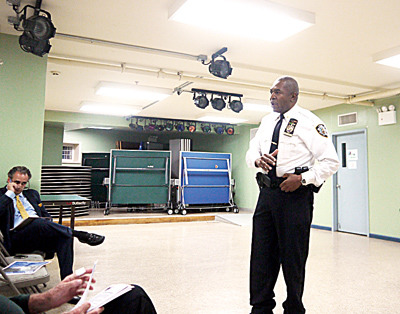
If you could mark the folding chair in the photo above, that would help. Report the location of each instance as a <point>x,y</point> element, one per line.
<point>21,283</point>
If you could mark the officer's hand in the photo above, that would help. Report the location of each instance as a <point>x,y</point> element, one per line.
<point>292,182</point>
<point>266,161</point>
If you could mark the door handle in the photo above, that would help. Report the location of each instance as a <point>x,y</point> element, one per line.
<point>338,186</point>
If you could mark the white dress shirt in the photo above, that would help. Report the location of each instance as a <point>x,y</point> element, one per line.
<point>308,145</point>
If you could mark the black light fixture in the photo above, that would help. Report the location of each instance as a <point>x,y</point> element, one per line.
<point>37,29</point>
<point>206,128</point>
<point>218,103</point>
<point>221,67</point>
<point>236,105</point>
<point>200,101</point>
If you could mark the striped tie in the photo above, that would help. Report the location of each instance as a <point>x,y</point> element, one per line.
<point>21,208</point>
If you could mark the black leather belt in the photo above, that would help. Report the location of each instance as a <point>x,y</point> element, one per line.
<point>273,183</point>
<point>264,181</point>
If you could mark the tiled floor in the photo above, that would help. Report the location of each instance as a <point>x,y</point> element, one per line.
<point>203,267</point>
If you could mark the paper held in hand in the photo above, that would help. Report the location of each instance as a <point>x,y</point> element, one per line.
<point>108,294</point>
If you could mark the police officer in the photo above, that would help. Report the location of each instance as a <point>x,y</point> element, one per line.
<point>285,148</point>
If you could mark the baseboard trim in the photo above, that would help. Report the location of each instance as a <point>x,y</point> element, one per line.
<point>382,237</point>
<point>321,227</point>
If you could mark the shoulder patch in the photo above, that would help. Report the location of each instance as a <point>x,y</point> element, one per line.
<point>321,129</point>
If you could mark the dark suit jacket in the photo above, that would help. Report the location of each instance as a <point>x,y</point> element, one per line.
<point>7,212</point>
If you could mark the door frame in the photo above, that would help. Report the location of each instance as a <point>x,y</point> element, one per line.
<point>364,155</point>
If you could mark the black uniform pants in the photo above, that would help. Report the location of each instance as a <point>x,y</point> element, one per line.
<point>281,233</point>
<point>47,236</point>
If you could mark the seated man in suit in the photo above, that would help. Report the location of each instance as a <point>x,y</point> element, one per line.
<point>41,234</point>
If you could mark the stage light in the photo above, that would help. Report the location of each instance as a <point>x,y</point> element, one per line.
<point>206,128</point>
<point>192,127</point>
<point>31,45</point>
<point>236,105</point>
<point>201,101</point>
<point>40,27</point>
<point>218,103</point>
<point>220,68</point>
<point>151,126</point>
<point>219,129</point>
<point>37,29</point>
<point>229,130</point>
<point>180,127</point>
<point>169,126</point>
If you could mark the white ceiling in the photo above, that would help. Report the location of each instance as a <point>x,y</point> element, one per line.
<point>333,58</point>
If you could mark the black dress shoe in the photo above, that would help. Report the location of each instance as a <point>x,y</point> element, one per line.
<point>74,300</point>
<point>91,239</point>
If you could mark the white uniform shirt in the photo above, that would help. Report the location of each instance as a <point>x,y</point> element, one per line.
<point>309,145</point>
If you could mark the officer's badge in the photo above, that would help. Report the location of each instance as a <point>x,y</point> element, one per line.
<point>321,129</point>
<point>290,127</point>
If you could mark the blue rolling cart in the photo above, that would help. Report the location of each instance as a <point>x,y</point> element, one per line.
<point>205,182</point>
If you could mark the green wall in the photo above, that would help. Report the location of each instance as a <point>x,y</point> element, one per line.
<point>383,167</point>
<point>22,92</point>
<point>52,144</point>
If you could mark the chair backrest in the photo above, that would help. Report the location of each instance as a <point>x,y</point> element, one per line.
<point>21,283</point>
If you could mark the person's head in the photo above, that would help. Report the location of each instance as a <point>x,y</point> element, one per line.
<point>284,94</point>
<point>20,176</point>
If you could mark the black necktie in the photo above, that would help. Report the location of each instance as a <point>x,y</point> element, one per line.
<point>274,144</point>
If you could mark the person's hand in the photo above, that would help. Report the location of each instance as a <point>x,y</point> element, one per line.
<point>292,182</point>
<point>11,186</point>
<point>70,287</point>
<point>83,309</point>
<point>266,161</point>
